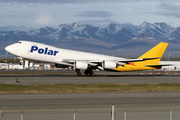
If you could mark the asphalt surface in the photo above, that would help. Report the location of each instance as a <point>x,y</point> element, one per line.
<point>91,106</point>
<point>70,77</point>
<point>31,80</point>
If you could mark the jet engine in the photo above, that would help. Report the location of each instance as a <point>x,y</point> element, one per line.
<point>81,65</point>
<point>109,64</point>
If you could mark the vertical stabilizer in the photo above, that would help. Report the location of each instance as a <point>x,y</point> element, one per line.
<point>155,52</point>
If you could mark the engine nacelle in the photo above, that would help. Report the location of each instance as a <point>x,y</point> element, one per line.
<point>109,64</point>
<point>81,65</point>
<point>61,66</point>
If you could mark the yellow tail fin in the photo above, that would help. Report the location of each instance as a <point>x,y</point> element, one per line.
<point>155,52</point>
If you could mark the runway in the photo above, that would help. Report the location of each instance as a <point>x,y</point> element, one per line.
<point>91,106</point>
<point>124,78</point>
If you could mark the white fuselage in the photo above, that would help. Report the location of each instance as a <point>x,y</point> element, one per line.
<point>47,53</point>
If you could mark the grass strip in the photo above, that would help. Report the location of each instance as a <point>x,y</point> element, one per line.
<point>89,88</point>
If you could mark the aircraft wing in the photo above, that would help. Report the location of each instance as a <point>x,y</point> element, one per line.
<point>90,62</point>
<point>72,60</point>
<point>98,63</point>
<point>120,60</point>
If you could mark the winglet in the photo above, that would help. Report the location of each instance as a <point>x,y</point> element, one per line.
<point>155,52</point>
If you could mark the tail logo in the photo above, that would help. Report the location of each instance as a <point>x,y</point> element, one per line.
<point>132,64</point>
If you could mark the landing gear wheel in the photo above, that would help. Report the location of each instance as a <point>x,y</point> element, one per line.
<point>78,72</point>
<point>89,72</point>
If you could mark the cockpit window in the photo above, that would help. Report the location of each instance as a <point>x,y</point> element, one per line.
<point>19,42</point>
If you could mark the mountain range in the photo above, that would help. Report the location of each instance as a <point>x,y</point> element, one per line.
<point>112,39</point>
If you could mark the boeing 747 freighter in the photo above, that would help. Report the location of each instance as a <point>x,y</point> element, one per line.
<point>64,58</point>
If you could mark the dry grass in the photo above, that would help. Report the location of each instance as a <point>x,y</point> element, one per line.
<point>89,88</point>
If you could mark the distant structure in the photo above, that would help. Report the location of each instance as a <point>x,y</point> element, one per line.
<point>175,65</point>
<point>27,65</point>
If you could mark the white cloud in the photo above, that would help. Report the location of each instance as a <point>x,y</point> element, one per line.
<point>127,9</point>
<point>44,18</point>
<point>96,14</point>
<point>177,4</point>
<point>169,9</point>
<point>76,1</point>
<point>39,13</point>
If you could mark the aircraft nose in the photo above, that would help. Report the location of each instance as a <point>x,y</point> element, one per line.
<point>7,48</point>
<point>11,48</point>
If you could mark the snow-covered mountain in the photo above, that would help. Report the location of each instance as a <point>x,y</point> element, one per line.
<point>109,32</point>
<point>83,36</point>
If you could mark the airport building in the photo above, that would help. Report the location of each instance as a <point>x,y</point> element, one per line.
<point>175,65</point>
<point>27,65</point>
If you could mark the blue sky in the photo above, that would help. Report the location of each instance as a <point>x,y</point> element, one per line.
<point>40,13</point>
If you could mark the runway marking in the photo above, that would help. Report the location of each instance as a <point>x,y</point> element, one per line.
<point>98,109</point>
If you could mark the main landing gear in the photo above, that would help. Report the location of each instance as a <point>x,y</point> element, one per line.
<point>87,72</point>
<point>78,72</point>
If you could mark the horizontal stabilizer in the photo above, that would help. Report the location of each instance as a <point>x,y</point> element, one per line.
<point>158,65</point>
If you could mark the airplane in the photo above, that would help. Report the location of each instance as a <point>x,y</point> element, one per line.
<point>65,58</point>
